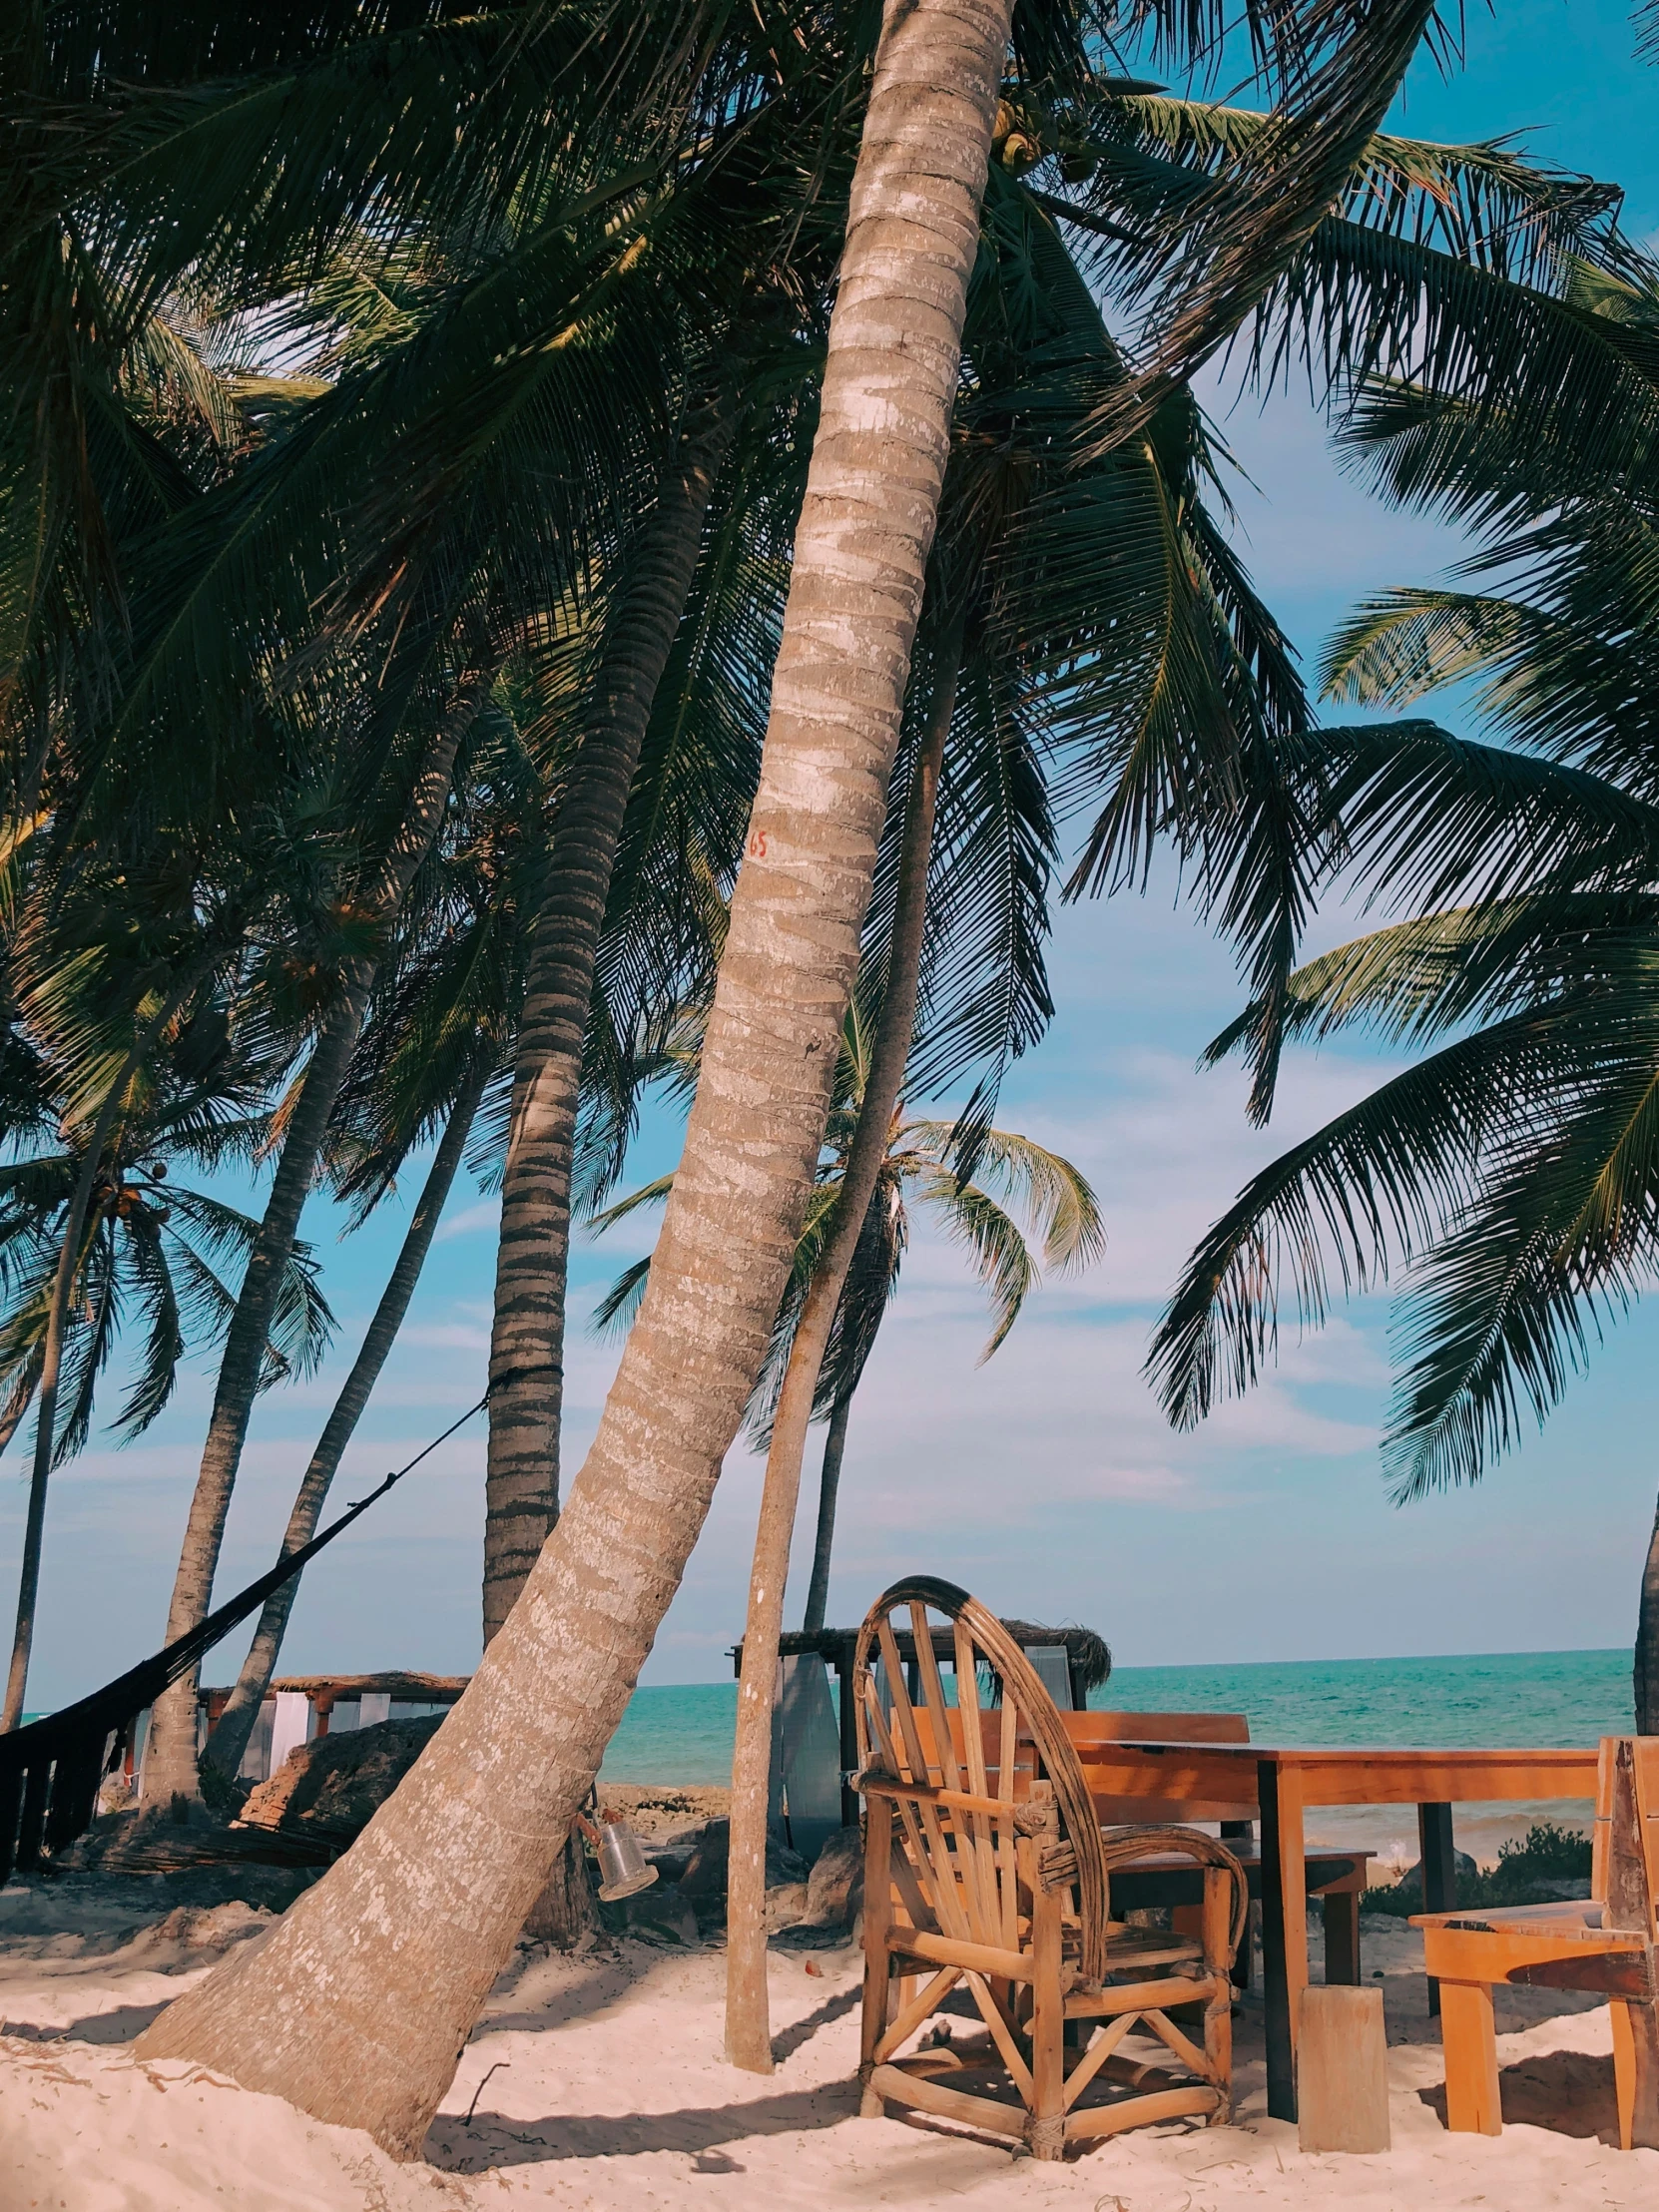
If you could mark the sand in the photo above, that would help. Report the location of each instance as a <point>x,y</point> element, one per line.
<point>596,2081</point>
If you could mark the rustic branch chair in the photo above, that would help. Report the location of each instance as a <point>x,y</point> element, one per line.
<point>985,1869</point>
<point>1608,1944</point>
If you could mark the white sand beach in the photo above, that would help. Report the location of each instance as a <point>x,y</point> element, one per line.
<point>598,2081</point>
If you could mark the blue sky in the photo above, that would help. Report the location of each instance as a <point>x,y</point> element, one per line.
<point>1046,1479</point>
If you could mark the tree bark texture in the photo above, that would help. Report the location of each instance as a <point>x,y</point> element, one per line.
<point>1647,1641</point>
<point>170,1768</point>
<point>521,1499</point>
<point>824,1536</point>
<point>46,1423</point>
<point>748,2022</point>
<point>356,2005</point>
<point>228,1741</point>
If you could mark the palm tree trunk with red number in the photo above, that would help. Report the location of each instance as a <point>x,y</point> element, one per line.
<point>748,2022</point>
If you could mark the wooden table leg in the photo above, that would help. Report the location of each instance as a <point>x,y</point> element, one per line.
<point>1468,2040</point>
<point>1284,1927</point>
<point>1440,1873</point>
<point>1341,1936</point>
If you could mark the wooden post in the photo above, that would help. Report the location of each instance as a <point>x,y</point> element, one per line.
<point>1047,2132</point>
<point>1342,2065</point>
<point>1440,1873</point>
<point>850,1729</point>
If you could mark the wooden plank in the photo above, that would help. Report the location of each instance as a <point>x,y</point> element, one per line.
<point>992,2013</point>
<point>912,2015</point>
<point>1354,1775</point>
<point>1163,2104</point>
<point>1139,1997</point>
<point>1098,1726</point>
<point>1495,1952</point>
<point>949,2105</point>
<point>955,1951</point>
<point>1342,2072</point>
<point>1098,2054</point>
<point>1468,2039</point>
<point>1360,1776</point>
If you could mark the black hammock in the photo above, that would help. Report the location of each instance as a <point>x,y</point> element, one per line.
<point>51,1769</point>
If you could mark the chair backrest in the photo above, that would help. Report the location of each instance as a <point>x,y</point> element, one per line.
<point>927,1751</point>
<point>1158,1727</point>
<point>1626,1855</point>
<point>1093,1731</point>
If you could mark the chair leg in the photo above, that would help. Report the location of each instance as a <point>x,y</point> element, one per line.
<point>877,1959</point>
<point>1218,2013</point>
<point>1047,2126</point>
<point>1624,2070</point>
<point>1642,2031</point>
<point>1468,2040</point>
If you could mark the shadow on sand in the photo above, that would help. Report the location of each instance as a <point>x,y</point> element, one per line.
<point>1570,2092</point>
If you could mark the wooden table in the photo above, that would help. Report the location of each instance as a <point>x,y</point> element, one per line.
<point>1278,1785</point>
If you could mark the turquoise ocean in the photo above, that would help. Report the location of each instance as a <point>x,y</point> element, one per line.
<point>683,1733</point>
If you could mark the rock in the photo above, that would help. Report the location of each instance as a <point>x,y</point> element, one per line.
<point>1411,1882</point>
<point>1564,1886</point>
<point>835,1888</point>
<point>337,1785</point>
<point>671,1864</point>
<point>786,1904</point>
<point>704,1874</point>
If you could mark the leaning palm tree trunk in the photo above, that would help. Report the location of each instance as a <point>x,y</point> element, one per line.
<point>747,2022</point>
<point>356,2005</point>
<point>521,1495</point>
<point>1647,1641</point>
<point>169,1761</point>
<point>824,1536</point>
<point>229,1740</point>
<point>63,1283</point>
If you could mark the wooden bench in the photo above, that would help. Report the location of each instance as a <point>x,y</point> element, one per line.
<point>1607,1944</point>
<point>1337,1878</point>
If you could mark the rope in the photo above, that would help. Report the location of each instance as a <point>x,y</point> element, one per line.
<point>116,1703</point>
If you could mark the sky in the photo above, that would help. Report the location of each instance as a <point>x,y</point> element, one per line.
<point>1046,1479</point>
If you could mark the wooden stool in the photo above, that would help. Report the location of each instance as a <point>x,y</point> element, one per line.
<point>1341,2071</point>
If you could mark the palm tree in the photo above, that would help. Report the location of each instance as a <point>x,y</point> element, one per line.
<point>1514,1169</point>
<point>100,1236</point>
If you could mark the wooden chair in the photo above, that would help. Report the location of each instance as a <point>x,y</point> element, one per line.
<point>1610,1942</point>
<point>1336,1874</point>
<point>986,1870</point>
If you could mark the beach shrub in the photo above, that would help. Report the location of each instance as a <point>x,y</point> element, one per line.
<point>1550,1861</point>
